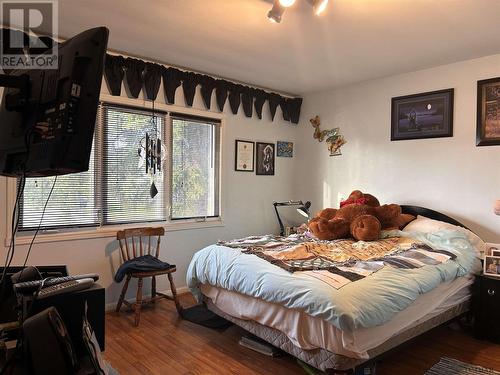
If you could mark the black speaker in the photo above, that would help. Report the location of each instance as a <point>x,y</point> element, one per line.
<point>48,347</point>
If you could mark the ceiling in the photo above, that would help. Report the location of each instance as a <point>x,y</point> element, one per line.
<point>355,40</point>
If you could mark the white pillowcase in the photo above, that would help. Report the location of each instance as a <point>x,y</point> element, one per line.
<point>426,225</point>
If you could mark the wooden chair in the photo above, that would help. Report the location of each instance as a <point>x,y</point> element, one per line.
<point>132,239</point>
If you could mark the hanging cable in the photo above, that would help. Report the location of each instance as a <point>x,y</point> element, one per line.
<point>40,223</point>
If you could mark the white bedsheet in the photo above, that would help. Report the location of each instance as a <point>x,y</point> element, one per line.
<point>308,332</point>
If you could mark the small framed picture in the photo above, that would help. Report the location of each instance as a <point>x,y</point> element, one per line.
<point>488,112</point>
<point>244,156</point>
<point>265,159</point>
<point>492,265</point>
<point>284,149</point>
<point>426,115</point>
<point>492,249</point>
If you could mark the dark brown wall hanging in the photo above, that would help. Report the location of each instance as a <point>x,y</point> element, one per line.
<point>138,75</point>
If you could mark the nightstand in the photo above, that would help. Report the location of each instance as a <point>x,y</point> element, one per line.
<point>487,308</point>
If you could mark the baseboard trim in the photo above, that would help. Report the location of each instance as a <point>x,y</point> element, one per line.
<point>111,306</point>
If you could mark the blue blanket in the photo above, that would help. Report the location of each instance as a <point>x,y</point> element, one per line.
<point>141,264</point>
<point>369,302</point>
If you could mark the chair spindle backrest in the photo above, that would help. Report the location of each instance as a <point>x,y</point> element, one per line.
<point>134,235</point>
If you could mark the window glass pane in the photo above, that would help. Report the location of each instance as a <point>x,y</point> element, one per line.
<point>127,186</point>
<point>195,172</point>
<point>72,204</point>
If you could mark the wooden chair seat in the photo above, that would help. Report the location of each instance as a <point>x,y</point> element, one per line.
<point>153,273</point>
<point>136,236</point>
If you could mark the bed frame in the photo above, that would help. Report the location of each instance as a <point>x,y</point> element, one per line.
<point>336,364</point>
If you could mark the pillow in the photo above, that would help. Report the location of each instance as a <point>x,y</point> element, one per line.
<point>426,225</point>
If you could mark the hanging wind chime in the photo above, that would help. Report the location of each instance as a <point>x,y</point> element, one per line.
<point>152,153</point>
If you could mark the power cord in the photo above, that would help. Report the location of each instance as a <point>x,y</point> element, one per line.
<point>40,223</point>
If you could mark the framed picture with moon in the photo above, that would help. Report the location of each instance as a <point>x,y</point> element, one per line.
<point>426,115</point>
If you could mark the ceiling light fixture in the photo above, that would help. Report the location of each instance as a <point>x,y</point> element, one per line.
<point>276,12</point>
<point>279,6</point>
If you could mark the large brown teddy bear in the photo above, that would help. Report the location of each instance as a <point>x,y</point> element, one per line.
<point>360,216</point>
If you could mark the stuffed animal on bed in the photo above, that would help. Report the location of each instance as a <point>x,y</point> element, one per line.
<point>360,216</point>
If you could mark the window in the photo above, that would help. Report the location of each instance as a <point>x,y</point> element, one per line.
<point>125,185</point>
<point>195,168</point>
<point>116,189</point>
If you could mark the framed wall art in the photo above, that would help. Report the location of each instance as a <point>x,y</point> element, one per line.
<point>265,159</point>
<point>244,156</point>
<point>488,112</point>
<point>426,115</point>
<point>491,266</point>
<point>284,149</point>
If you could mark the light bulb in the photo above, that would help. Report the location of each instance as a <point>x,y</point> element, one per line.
<point>287,3</point>
<point>320,6</point>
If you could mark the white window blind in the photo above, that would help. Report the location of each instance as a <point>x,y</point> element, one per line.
<point>195,167</point>
<point>116,189</point>
<point>72,204</point>
<point>125,183</point>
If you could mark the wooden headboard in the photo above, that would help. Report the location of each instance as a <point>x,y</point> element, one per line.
<point>431,214</point>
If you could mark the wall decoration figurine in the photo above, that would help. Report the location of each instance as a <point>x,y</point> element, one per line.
<point>244,156</point>
<point>488,112</point>
<point>426,115</point>
<point>284,149</point>
<point>265,159</point>
<point>333,138</point>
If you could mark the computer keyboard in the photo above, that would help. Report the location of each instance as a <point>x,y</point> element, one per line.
<point>31,286</point>
<point>66,287</point>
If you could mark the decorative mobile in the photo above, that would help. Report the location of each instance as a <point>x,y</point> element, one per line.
<point>333,138</point>
<point>152,153</point>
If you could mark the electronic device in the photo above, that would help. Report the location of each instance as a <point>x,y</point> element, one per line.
<point>33,285</point>
<point>65,287</point>
<point>48,346</point>
<point>8,298</point>
<point>47,117</point>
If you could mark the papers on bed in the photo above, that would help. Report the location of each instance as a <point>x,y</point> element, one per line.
<point>340,262</point>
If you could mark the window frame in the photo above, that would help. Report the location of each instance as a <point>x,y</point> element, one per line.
<point>217,139</point>
<point>103,231</point>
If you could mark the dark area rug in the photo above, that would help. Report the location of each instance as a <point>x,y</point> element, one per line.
<point>450,366</point>
<point>199,314</point>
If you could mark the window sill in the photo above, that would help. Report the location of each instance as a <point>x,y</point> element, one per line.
<point>110,231</point>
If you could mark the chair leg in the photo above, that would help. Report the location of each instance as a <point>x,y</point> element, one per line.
<point>138,302</point>
<point>122,295</point>
<point>174,294</point>
<point>153,288</point>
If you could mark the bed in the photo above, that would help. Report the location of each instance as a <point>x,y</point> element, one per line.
<point>339,329</point>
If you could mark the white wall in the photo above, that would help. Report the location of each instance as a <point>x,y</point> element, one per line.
<point>247,197</point>
<point>451,175</point>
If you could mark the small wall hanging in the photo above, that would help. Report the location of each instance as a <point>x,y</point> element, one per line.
<point>331,136</point>
<point>265,159</point>
<point>284,149</point>
<point>244,156</point>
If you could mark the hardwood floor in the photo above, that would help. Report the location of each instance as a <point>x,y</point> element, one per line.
<point>165,344</point>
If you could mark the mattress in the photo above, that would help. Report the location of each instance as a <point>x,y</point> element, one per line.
<point>310,333</point>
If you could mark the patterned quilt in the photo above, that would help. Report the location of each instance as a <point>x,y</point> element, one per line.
<point>345,260</point>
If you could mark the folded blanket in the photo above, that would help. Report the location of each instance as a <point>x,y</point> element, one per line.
<point>141,264</point>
